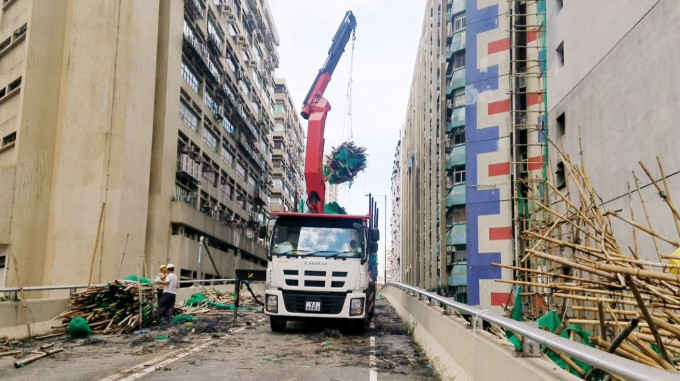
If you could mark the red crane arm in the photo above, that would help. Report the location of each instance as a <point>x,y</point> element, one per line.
<point>315,109</point>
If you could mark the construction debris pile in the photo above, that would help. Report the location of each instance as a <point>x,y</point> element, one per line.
<point>113,308</point>
<point>344,163</point>
<point>574,273</point>
<point>209,299</point>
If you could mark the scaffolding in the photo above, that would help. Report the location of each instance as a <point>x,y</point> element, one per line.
<point>527,90</point>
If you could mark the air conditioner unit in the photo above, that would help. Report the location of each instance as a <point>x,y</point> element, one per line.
<point>219,113</point>
<point>241,40</point>
<point>231,19</point>
<point>252,63</point>
<point>226,8</point>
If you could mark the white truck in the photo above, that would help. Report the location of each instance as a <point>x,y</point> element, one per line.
<point>319,268</point>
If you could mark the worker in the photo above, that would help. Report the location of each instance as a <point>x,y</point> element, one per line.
<point>160,277</point>
<point>166,304</point>
<point>675,261</point>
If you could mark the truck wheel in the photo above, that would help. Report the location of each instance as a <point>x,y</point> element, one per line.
<point>278,324</point>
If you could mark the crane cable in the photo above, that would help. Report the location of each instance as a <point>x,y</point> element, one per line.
<point>347,121</point>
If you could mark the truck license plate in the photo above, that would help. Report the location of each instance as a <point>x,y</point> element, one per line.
<point>312,306</point>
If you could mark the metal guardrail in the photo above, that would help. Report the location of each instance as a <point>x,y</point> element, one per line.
<point>619,366</point>
<point>13,291</point>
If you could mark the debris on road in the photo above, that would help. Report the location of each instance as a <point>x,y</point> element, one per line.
<point>113,308</point>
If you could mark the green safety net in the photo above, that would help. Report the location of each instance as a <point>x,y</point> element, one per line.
<point>517,314</point>
<point>183,319</point>
<point>135,279</point>
<point>333,208</point>
<point>344,163</point>
<point>78,328</point>
<point>550,322</point>
<point>198,300</point>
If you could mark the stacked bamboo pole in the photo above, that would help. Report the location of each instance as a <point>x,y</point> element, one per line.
<point>113,308</point>
<point>571,262</point>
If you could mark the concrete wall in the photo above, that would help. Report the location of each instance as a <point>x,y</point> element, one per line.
<point>41,312</point>
<point>458,353</point>
<point>618,95</point>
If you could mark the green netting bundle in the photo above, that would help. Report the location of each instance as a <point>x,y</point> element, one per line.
<point>182,319</point>
<point>344,163</point>
<point>333,208</point>
<point>78,328</point>
<point>134,279</point>
<point>195,300</point>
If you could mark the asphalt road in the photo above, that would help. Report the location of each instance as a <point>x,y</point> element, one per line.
<point>212,347</point>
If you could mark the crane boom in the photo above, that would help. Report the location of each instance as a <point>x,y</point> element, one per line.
<point>315,109</point>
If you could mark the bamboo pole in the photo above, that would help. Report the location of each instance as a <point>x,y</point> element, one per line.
<point>21,291</point>
<point>648,317</point>
<point>569,263</point>
<point>628,352</point>
<point>644,229</point>
<point>96,243</point>
<point>616,342</point>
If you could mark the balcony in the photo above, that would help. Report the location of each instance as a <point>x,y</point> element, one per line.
<point>456,157</point>
<point>458,276</point>
<point>456,235</point>
<point>457,80</point>
<point>458,6</point>
<point>186,215</point>
<point>457,118</point>
<point>456,195</point>
<point>195,9</point>
<point>457,43</point>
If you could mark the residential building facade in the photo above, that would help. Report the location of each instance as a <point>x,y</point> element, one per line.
<point>134,134</point>
<point>289,145</point>
<point>472,145</point>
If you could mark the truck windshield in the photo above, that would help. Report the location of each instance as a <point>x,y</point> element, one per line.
<point>316,241</point>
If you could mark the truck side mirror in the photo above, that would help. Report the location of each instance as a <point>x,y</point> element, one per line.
<point>262,232</point>
<point>372,247</point>
<point>374,235</point>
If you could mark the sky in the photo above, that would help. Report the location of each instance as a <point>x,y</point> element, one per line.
<point>387,37</point>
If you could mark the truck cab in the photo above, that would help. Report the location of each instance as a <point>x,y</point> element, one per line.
<point>318,268</point>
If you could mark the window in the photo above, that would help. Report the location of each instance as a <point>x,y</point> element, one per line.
<point>227,125</point>
<point>190,76</point>
<point>214,33</point>
<point>458,214</point>
<point>459,22</point>
<point>459,98</point>
<point>458,60</point>
<point>458,136</point>
<point>240,170</point>
<point>559,174</point>
<point>210,102</point>
<point>459,174</point>
<point>280,107</point>
<point>252,182</point>
<point>561,125</point>
<point>188,31</point>
<point>188,116</point>
<point>226,155</point>
<point>560,54</point>
<point>9,139</point>
<point>210,138</point>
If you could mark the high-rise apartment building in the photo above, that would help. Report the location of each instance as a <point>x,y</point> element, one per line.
<point>394,257</point>
<point>287,155</point>
<point>472,147</point>
<point>133,134</point>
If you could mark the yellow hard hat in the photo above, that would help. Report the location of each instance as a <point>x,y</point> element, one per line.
<point>162,267</point>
